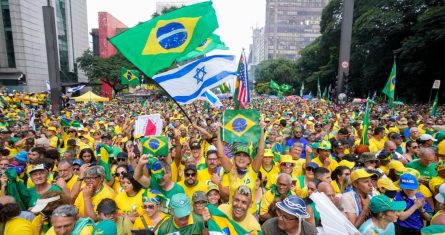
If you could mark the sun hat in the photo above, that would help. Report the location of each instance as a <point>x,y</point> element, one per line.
<point>382,203</point>
<point>293,205</point>
<point>180,204</point>
<point>408,181</point>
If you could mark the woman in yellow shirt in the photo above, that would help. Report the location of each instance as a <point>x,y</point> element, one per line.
<point>130,200</point>
<point>152,215</point>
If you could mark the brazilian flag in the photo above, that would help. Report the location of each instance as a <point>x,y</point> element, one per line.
<point>241,126</point>
<point>224,88</point>
<point>157,43</point>
<point>274,85</point>
<point>155,145</point>
<point>69,122</point>
<point>220,223</point>
<point>103,152</point>
<point>130,77</point>
<point>285,87</point>
<point>209,44</point>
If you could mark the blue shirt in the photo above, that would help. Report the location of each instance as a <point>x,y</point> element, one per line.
<point>415,220</point>
<point>368,227</point>
<point>302,141</point>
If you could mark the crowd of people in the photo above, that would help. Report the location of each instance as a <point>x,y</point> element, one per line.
<point>55,178</point>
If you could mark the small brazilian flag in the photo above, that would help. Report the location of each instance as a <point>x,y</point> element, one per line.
<point>130,77</point>
<point>285,87</point>
<point>69,122</point>
<point>241,126</point>
<point>224,88</point>
<point>209,44</point>
<point>154,45</point>
<point>274,85</point>
<point>155,145</point>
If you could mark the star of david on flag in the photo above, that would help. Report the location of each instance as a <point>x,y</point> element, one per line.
<point>241,126</point>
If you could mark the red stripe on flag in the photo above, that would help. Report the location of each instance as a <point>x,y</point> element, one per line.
<point>150,129</point>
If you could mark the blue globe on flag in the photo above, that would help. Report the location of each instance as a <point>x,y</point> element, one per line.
<point>172,35</point>
<point>239,125</point>
<point>154,144</point>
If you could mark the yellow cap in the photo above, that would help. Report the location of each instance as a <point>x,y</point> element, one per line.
<point>387,184</point>
<point>397,166</point>
<point>268,153</point>
<point>360,174</point>
<point>347,164</point>
<point>325,145</point>
<point>51,128</point>
<point>411,171</point>
<point>440,166</point>
<point>211,187</point>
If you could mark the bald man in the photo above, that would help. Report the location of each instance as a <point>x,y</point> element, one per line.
<point>328,190</point>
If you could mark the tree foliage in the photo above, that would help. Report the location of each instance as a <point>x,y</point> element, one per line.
<point>413,31</point>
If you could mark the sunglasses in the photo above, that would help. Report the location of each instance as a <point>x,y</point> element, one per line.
<point>120,174</point>
<point>414,147</point>
<point>310,169</point>
<point>190,174</point>
<point>91,178</point>
<point>287,164</point>
<point>121,159</point>
<point>76,169</point>
<point>152,206</point>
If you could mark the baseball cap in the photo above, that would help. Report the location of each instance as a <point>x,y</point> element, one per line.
<point>107,206</point>
<point>397,166</point>
<point>440,197</point>
<point>242,149</point>
<point>382,203</point>
<point>42,203</point>
<point>440,166</point>
<point>324,145</point>
<point>360,174</point>
<point>387,184</point>
<point>383,155</point>
<point>106,136</point>
<point>77,162</point>
<point>408,181</point>
<point>52,128</point>
<point>312,165</point>
<point>211,187</point>
<point>426,137</point>
<point>199,196</point>
<point>180,203</point>
<point>190,167</point>
<point>287,159</point>
<point>37,167</point>
<point>347,164</point>
<point>268,153</point>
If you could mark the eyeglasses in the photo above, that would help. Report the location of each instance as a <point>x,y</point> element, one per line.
<point>201,202</point>
<point>414,147</point>
<point>287,164</point>
<point>120,174</point>
<point>310,169</point>
<point>152,206</point>
<point>121,159</point>
<point>91,178</point>
<point>190,174</point>
<point>76,169</point>
<point>282,215</point>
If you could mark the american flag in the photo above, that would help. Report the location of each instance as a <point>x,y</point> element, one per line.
<point>242,84</point>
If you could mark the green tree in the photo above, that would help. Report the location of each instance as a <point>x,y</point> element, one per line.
<point>279,70</point>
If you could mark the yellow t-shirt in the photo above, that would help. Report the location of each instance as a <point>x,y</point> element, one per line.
<point>441,148</point>
<point>233,181</point>
<point>298,168</point>
<point>270,175</point>
<point>19,226</point>
<point>434,182</point>
<point>190,190</point>
<point>249,223</point>
<point>205,176</point>
<point>128,204</point>
<point>138,224</point>
<point>376,145</point>
<point>105,192</point>
<point>54,141</point>
<point>71,182</point>
<point>267,199</point>
<point>332,165</point>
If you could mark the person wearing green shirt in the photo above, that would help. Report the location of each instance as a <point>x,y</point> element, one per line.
<point>183,221</point>
<point>39,176</point>
<point>425,164</point>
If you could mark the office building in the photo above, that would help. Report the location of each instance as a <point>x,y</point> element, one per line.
<point>23,59</point>
<point>290,26</point>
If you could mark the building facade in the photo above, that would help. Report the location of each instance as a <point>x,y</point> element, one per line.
<point>290,26</point>
<point>23,59</point>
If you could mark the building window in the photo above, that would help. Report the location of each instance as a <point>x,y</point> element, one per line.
<point>8,33</point>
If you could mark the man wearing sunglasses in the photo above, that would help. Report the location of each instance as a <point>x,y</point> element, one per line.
<point>190,182</point>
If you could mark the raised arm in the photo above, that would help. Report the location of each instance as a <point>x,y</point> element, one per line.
<point>225,161</point>
<point>256,164</point>
<point>138,172</point>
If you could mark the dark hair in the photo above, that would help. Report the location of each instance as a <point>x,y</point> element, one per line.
<point>51,206</point>
<point>8,211</point>
<point>343,131</point>
<point>136,185</point>
<point>87,150</point>
<point>211,152</point>
<point>338,171</point>
<point>378,130</point>
<point>320,171</point>
<point>52,154</point>
<point>39,150</point>
<point>125,166</point>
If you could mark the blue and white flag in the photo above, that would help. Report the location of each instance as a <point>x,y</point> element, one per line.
<point>31,120</point>
<point>74,89</point>
<point>210,97</point>
<point>189,82</point>
<point>48,86</point>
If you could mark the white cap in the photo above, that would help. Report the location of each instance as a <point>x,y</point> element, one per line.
<point>440,197</point>
<point>37,168</point>
<point>42,203</point>
<point>426,137</point>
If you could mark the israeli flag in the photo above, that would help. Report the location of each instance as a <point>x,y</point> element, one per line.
<point>74,89</point>
<point>210,97</point>
<point>189,82</point>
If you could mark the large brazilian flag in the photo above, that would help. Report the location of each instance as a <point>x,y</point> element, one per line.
<point>155,44</point>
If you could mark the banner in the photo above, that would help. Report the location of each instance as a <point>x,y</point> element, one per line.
<point>148,125</point>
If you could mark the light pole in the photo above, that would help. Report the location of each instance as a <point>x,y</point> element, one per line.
<point>345,45</point>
